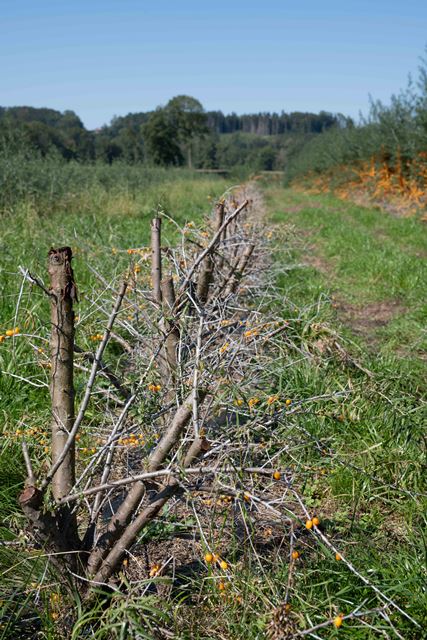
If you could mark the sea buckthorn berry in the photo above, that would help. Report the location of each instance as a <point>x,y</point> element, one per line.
<point>337,621</point>
<point>338,556</point>
<point>288,402</point>
<point>277,475</point>
<point>221,586</point>
<point>223,564</point>
<point>295,555</point>
<point>309,524</point>
<point>208,557</point>
<point>154,570</point>
<point>316,521</point>
<point>9,332</point>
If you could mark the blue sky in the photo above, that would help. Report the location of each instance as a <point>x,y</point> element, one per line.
<point>102,58</point>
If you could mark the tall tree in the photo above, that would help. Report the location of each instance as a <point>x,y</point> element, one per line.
<point>161,139</point>
<point>189,119</point>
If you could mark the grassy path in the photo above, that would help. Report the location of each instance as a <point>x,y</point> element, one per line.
<point>372,265</point>
<point>359,275</point>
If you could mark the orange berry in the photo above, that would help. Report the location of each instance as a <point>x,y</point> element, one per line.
<point>316,521</point>
<point>277,475</point>
<point>338,556</point>
<point>221,586</point>
<point>208,557</point>
<point>295,555</point>
<point>337,621</point>
<point>154,570</point>
<point>309,524</point>
<point>223,565</point>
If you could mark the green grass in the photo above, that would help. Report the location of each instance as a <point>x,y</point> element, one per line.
<point>356,458</point>
<point>366,256</point>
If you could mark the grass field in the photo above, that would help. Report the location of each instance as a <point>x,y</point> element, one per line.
<point>350,283</point>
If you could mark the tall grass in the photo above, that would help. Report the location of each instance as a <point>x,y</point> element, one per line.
<point>50,184</point>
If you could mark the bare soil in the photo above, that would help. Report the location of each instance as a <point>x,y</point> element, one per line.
<point>366,320</point>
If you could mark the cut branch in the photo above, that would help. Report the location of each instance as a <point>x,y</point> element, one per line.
<point>129,536</point>
<point>128,508</point>
<point>156,258</point>
<point>63,294</point>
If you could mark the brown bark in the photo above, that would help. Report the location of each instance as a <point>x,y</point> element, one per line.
<point>205,279</point>
<point>170,327</point>
<point>156,258</point>
<point>238,271</point>
<point>63,294</point>
<point>48,530</point>
<point>219,219</point>
<point>219,213</point>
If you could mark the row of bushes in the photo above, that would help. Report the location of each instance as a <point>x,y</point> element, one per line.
<point>394,135</point>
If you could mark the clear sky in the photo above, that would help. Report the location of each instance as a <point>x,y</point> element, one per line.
<point>108,57</point>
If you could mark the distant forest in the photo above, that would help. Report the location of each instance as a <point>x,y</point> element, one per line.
<point>180,133</point>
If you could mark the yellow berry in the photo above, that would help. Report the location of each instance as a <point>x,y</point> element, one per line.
<point>288,402</point>
<point>316,521</point>
<point>295,555</point>
<point>208,557</point>
<point>309,524</point>
<point>221,586</point>
<point>277,475</point>
<point>337,621</point>
<point>9,332</point>
<point>223,565</point>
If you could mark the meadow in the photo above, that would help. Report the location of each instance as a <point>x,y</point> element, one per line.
<point>347,377</point>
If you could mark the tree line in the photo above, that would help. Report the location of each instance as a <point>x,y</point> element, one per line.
<point>179,133</point>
